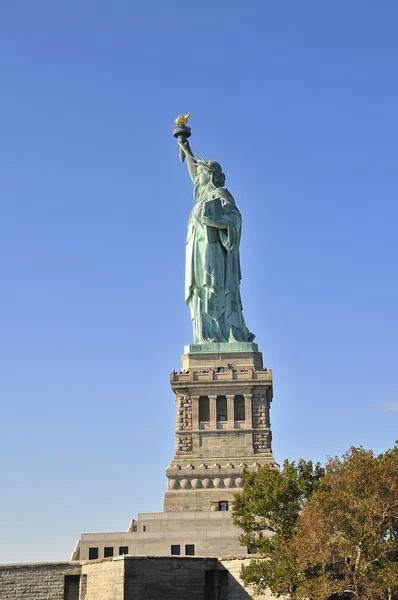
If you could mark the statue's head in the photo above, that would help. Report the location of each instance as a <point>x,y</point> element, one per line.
<point>209,171</point>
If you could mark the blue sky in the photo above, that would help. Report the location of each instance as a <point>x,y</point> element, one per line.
<point>298,102</point>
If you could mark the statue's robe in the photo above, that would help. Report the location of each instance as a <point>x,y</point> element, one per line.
<point>213,275</point>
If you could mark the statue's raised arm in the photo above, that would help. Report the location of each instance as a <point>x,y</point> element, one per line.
<point>182,132</point>
<point>212,275</point>
<point>185,150</point>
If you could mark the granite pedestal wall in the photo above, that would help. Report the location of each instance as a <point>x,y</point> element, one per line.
<point>223,395</point>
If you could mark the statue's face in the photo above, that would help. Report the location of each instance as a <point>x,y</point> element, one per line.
<point>204,175</point>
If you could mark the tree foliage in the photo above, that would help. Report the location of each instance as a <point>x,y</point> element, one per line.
<point>267,511</point>
<point>323,532</point>
<point>348,532</point>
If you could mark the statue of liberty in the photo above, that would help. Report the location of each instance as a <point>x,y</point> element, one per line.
<point>212,274</point>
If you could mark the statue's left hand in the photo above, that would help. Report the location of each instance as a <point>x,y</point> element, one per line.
<point>210,222</point>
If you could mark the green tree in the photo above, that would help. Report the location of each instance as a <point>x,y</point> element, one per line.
<point>348,531</point>
<point>323,533</point>
<point>267,511</point>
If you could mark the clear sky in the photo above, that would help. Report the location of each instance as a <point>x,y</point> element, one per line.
<point>298,102</point>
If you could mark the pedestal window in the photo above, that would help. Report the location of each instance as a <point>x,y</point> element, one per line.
<point>92,553</point>
<point>239,408</point>
<point>221,408</point>
<point>204,409</point>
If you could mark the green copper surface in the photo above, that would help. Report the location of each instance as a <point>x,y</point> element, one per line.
<point>213,274</point>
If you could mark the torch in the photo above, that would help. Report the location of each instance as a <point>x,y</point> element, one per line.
<point>182,131</point>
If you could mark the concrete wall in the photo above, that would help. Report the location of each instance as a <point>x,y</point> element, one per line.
<point>195,501</point>
<point>212,534</point>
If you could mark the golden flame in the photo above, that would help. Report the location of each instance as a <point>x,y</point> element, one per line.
<point>181,120</point>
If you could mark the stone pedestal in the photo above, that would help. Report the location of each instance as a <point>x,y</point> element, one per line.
<point>223,395</point>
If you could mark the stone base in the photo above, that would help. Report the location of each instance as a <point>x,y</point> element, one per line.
<point>212,532</point>
<point>221,347</point>
<point>125,577</point>
<point>223,395</point>
<point>230,357</point>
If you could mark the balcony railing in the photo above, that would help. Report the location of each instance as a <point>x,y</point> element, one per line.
<point>226,375</point>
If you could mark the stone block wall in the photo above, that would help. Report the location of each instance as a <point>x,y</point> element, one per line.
<point>104,579</point>
<point>222,420</point>
<point>261,442</point>
<point>236,589</point>
<point>260,409</point>
<point>184,443</point>
<point>184,412</point>
<point>36,581</point>
<point>128,578</point>
<point>166,578</point>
